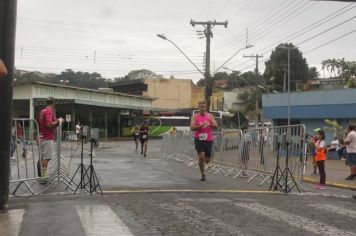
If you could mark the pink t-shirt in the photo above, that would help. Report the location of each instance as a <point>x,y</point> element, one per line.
<point>46,116</point>
<point>204,133</point>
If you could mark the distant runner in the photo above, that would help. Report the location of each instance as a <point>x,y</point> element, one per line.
<point>203,123</point>
<point>144,138</point>
<point>136,135</point>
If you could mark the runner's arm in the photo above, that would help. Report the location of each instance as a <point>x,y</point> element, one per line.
<point>213,124</point>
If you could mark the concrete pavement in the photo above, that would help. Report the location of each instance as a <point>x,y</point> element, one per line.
<point>336,172</point>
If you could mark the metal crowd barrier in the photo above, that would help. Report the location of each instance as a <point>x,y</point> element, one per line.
<point>251,154</point>
<point>25,153</point>
<point>25,164</point>
<point>58,170</point>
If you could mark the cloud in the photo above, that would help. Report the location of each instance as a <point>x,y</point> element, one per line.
<point>113,41</point>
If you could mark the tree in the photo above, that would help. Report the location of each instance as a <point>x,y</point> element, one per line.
<point>278,63</point>
<point>249,100</point>
<point>67,77</point>
<point>140,74</point>
<point>335,128</point>
<point>313,73</point>
<point>340,68</point>
<point>249,78</point>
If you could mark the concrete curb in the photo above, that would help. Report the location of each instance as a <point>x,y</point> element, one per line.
<point>331,184</point>
<point>189,191</point>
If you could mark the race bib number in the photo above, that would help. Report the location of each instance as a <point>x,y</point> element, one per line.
<point>203,137</point>
<point>137,133</point>
<point>144,136</point>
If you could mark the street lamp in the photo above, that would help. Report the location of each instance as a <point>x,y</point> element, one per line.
<point>247,46</point>
<point>288,48</point>
<point>265,89</point>
<point>162,36</point>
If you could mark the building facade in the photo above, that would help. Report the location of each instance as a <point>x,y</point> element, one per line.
<point>168,93</point>
<point>95,108</point>
<point>312,108</point>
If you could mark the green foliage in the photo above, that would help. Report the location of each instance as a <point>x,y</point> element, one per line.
<point>140,74</point>
<point>236,79</point>
<point>313,73</point>
<point>249,100</point>
<point>340,68</point>
<point>67,77</point>
<point>278,63</point>
<point>335,128</point>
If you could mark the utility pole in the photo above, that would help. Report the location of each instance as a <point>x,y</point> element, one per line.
<point>208,35</point>
<point>257,73</point>
<point>7,54</point>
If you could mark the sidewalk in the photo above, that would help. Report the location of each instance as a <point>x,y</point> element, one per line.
<point>336,172</point>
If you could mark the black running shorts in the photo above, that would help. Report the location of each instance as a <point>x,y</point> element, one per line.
<point>203,146</point>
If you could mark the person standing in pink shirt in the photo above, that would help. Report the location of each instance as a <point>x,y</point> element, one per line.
<point>203,123</point>
<point>47,127</point>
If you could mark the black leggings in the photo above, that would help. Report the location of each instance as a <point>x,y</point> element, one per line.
<point>321,167</point>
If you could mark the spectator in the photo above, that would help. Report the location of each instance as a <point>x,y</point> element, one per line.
<point>320,157</point>
<point>13,142</point>
<point>350,142</point>
<point>312,141</point>
<point>174,131</point>
<point>334,144</point>
<point>341,151</point>
<point>3,70</point>
<point>20,135</point>
<point>47,128</point>
<point>331,150</point>
<point>78,132</point>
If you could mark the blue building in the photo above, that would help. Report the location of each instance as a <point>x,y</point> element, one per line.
<point>311,108</point>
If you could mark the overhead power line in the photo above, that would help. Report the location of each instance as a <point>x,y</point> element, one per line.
<point>264,24</point>
<point>272,25</point>
<point>331,41</point>
<point>307,29</point>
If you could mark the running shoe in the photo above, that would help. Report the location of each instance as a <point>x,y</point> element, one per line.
<point>317,186</point>
<point>203,178</point>
<point>351,177</point>
<point>322,187</point>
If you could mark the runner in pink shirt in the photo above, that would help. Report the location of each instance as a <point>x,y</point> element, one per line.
<point>203,123</point>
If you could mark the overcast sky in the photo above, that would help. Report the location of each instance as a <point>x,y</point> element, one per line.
<point>113,37</point>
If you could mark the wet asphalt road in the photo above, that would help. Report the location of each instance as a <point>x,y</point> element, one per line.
<point>133,204</point>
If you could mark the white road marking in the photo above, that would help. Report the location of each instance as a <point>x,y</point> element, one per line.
<point>101,220</point>
<point>322,194</point>
<point>335,210</point>
<point>306,224</point>
<point>206,200</point>
<point>196,217</point>
<point>10,222</point>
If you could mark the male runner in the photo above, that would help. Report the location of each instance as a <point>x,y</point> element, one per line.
<point>203,123</point>
<point>144,138</point>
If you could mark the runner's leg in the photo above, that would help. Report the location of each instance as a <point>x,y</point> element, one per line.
<point>142,144</point>
<point>201,162</point>
<point>145,148</point>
